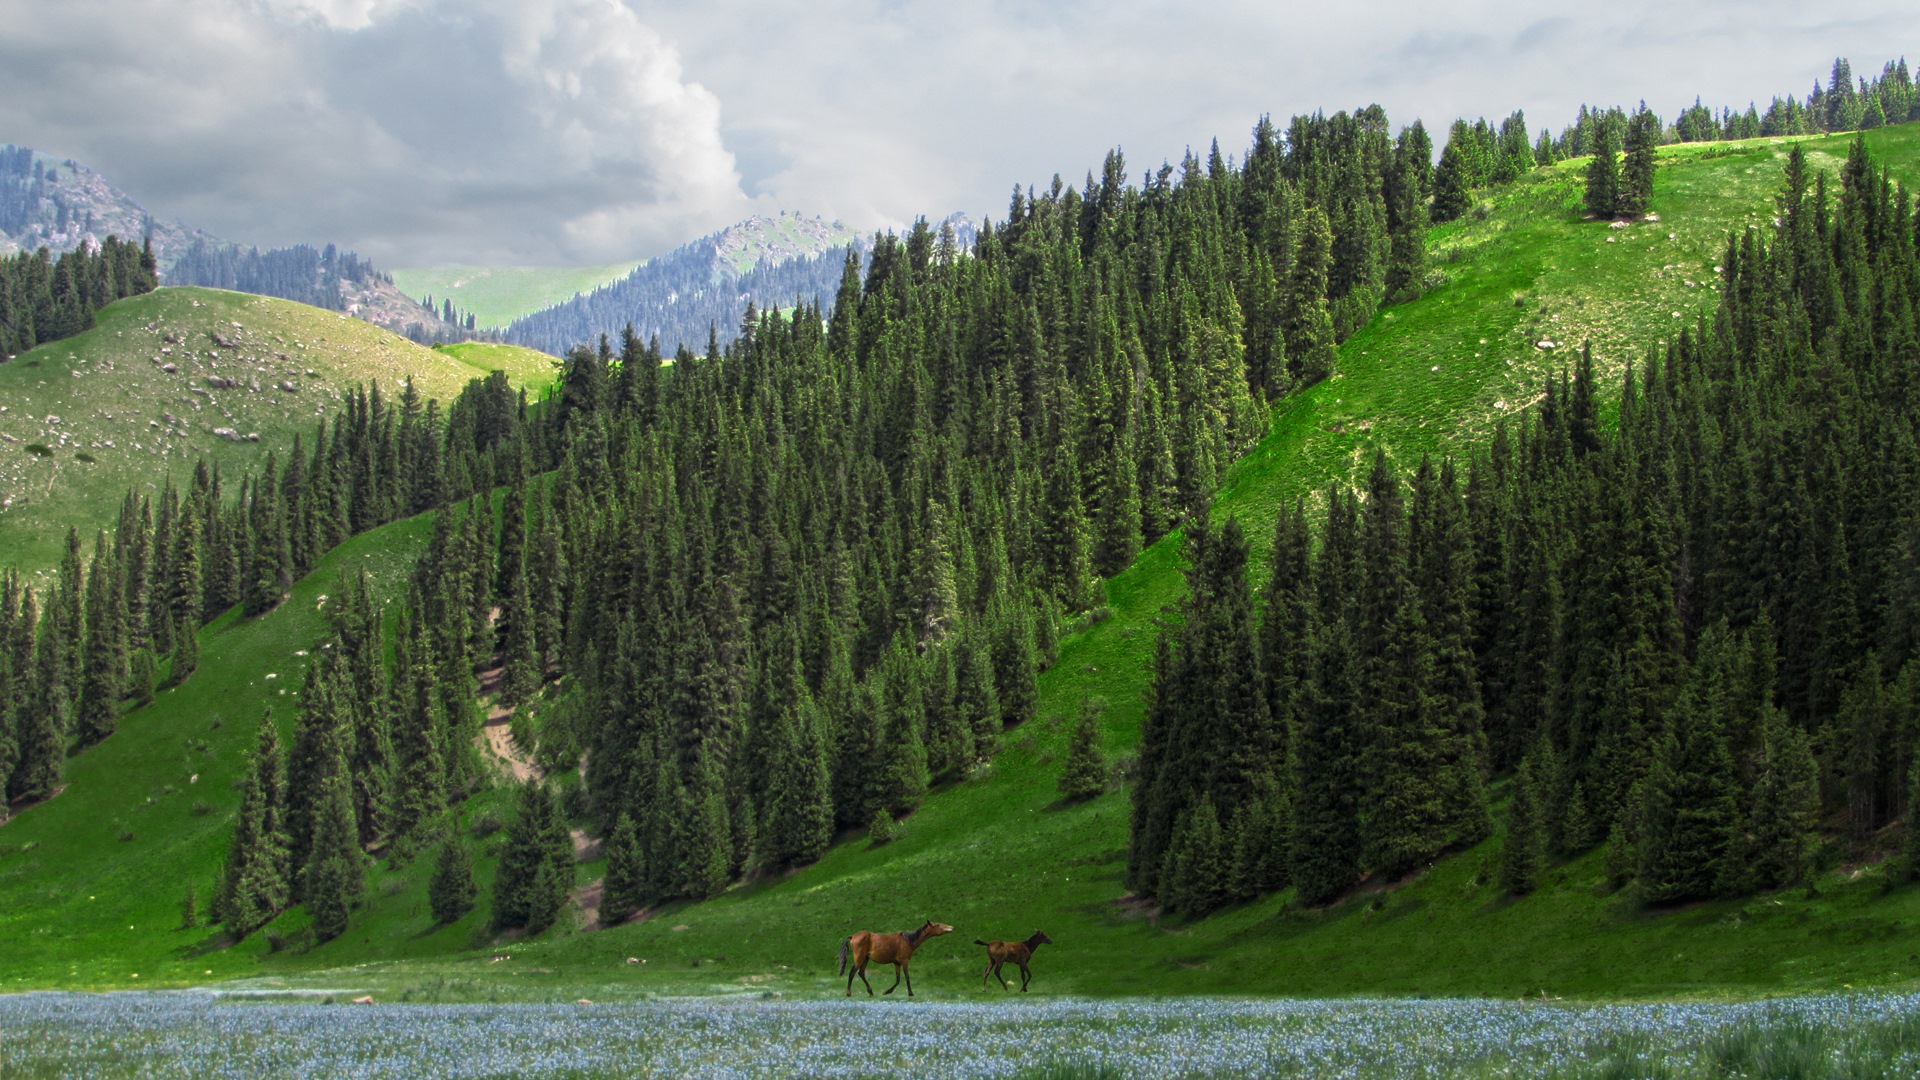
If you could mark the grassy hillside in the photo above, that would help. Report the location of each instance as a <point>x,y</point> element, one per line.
<point>497,295</point>
<point>84,419</point>
<point>1000,855</point>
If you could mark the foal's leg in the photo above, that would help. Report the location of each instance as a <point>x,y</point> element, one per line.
<point>985,974</point>
<point>1004,985</point>
<point>1025,978</point>
<point>896,979</point>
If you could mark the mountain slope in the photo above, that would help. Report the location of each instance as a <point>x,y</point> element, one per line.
<point>1000,855</point>
<point>85,419</point>
<point>704,286</point>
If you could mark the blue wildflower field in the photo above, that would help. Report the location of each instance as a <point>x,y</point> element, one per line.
<point>203,1034</point>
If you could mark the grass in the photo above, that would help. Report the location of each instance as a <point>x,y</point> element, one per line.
<point>497,295</point>
<point>85,419</point>
<point>1001,855</point>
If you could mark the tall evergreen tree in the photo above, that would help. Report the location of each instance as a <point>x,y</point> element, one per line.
<point>255,887</point>
<point>451,891</point>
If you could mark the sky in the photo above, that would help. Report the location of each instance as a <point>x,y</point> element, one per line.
<point>581,132</point>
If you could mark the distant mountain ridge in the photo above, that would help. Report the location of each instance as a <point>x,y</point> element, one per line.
<point>701,289</point>
<point>59,204</point>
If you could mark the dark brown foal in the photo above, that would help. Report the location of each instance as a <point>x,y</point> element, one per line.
<point>999,952</point>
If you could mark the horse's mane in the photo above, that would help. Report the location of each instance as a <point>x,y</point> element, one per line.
<point>913,936</point>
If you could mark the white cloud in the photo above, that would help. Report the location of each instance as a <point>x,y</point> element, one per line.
<point>414,130</point>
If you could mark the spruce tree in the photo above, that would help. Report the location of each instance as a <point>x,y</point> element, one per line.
<point>1634,196</point>
<point>1084,774</point>
<point>535,874</point>
<point>1197,876</point>
<point>623,891</point>
<point>142,674</point>
<point>186,653</point>
<point>41,736</point>
<point>800,799</point>
<point>103,680</point>
<point>336,873</point>
<point>451,891</point>
<point>254,887</point>
<point>1603,172</point>
<point>1523,850</point>
<point>1327,780</point>
<point>1786,806</point>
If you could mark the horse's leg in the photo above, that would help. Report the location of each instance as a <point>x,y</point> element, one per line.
<point>897,967</point>
<point>986,973</point>
<point>907,969</point>
<point>1004,985</point>
<point>863,978</point>
<point>851,972</point>
<point>1025,978</point>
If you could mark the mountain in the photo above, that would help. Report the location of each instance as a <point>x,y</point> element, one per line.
<point>59,204</point>
<point>703,287</point>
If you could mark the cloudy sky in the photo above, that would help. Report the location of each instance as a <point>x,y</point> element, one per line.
<point>555,132</point>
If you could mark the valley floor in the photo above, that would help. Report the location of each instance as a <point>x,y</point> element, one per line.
<point>200,1033</point>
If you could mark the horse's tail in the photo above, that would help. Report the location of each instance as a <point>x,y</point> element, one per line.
<point>844,946</point>
<point>977,941</point>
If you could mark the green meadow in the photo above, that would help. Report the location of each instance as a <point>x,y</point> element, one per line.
<point>84,420</point>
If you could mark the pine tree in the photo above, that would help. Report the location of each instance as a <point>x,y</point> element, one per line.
<point>336,874</point>
<point>536,867</point>
<point>255,887</point>
<point>142,674</point>
<point>800,818</point>
<point>1084,774</point>
<point>1603,172</point>
<point>1691,821</point>
<point>451,891</point>
<point>1308,323</point>
<point>1786,806</point>
<point>190,909</point>
<point>1634,196</point>
<point>1197,877</point>
<point>1326,779</point>
<point>186,653</point>
<point>1523,851</point>
<point>103,684</point>
<point>41,728</point>
<point>623,891</point>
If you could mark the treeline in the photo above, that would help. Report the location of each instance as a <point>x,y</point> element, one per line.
<point>679,298</point>
<point>115,624</point>
<point>45,299</point>
<point>1693,637</point>
<point>1479,155</point>
<point>301,273</point>
<point>1842,105</point>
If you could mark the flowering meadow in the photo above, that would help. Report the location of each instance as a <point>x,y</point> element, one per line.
<point>204,1035</point>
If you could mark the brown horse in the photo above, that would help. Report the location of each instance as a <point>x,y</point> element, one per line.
<point>999,952</point>
<point>895,949</point>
